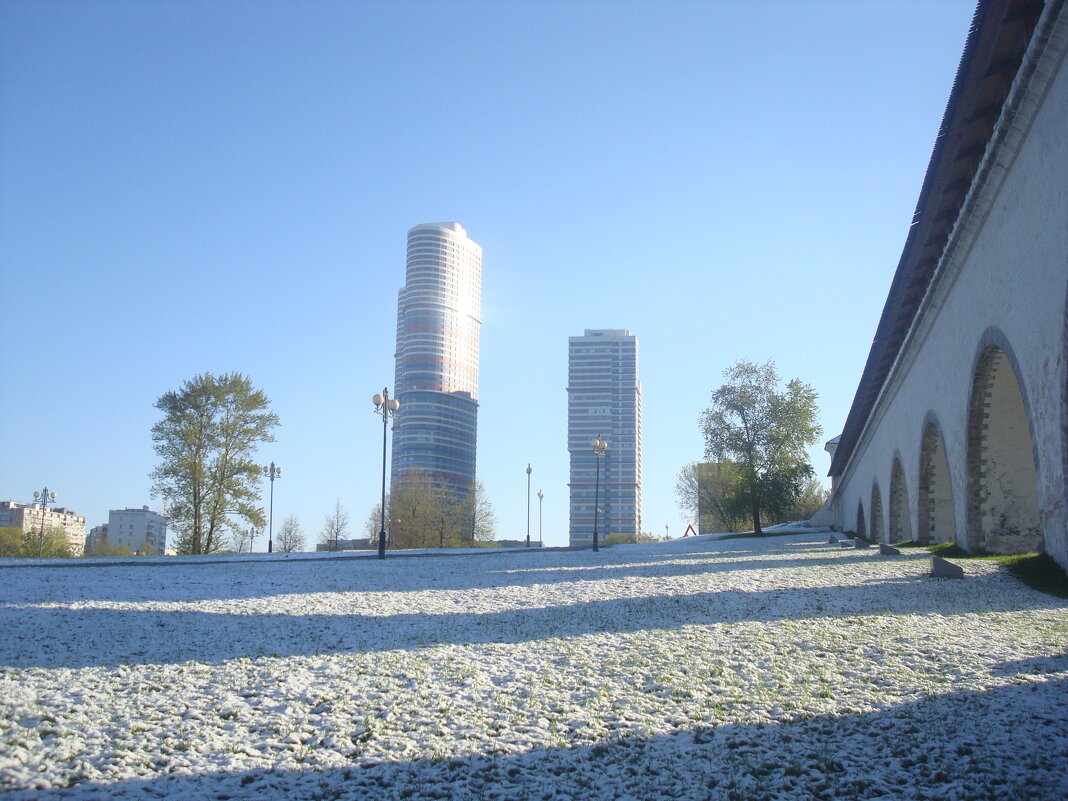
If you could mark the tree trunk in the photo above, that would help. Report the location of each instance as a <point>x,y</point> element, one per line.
<point>756,518</point>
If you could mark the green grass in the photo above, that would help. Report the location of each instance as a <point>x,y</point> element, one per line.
<point>950,550</point>
<point>1036,570</point>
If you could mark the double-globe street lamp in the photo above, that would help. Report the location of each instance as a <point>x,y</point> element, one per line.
<point>541,497</point>
<point>387,407</point>
<point>599,448</point>
<point>44,497</point>
<point>272,473</point>
<point>528,504</point>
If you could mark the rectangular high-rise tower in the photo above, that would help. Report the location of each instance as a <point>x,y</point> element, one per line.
<point>604,401</point>
<point>438,323</point>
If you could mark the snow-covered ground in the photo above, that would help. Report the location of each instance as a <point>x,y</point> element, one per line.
<point>783,668</point>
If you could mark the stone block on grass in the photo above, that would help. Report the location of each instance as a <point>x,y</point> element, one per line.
<point>940,568</point>
<point>888,550</point>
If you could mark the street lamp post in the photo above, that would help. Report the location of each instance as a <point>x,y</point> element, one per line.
<point>599,448</point>
<point>528,504</point>
<point>387,407</point>
<point>541,497</point>
<point>272,473</point>
<point>251,534</point>
<point>45,497</point>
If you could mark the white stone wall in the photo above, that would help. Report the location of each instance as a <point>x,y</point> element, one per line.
<point>1003,281</point>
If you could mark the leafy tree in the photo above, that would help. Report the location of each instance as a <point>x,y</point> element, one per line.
<point>290,535</point>
<point>335,526</point>
<point>104,549</point>
<point>10,541</point>
<point>478,511</point>
<point>688,492</point>
<point>242,540</point>
<point>765,432</point>
<point>779,491</point>
<point>15,542</point>
<point>809,501</point>
<point>723,497</point>
<point>373,524</point>
<point>420,516</point>
<point>57,544</point>
<point>206,439</point>
<point>448,523</point>
<point>706,493</point>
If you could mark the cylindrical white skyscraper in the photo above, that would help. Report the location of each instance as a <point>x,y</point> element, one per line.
<point>438,324</point>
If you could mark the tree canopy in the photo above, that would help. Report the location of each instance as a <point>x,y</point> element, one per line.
<point>15,542</point>
<point>335,527</point>
<point>482,515</point>
<point>706,493</point>
<point>418,515</point>
<point>209,433</point>
<point>764,432</point>
<point>290,535</point>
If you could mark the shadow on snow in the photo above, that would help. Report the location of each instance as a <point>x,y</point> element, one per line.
<point>247,580</point>
<point>958,745</point>
<point>56,637</point>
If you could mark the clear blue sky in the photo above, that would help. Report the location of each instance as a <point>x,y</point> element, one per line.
<point>226,186</point>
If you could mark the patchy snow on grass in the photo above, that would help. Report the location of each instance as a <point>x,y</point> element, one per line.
<point>774,668</point>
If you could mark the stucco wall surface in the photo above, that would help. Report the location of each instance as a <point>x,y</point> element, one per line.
<point>1003,281</point>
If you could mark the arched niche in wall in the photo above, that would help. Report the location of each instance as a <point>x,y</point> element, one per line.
<point>900,522</point>
<point>877,532</point>
<point>1003,513</point>
<point>936,520</point>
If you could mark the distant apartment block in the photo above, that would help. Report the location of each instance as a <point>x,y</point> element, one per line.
<point>436,381</point>
<point>604,401</point>
<point>98,537</point>
<point>31,517</point>
<point>141,530</point>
